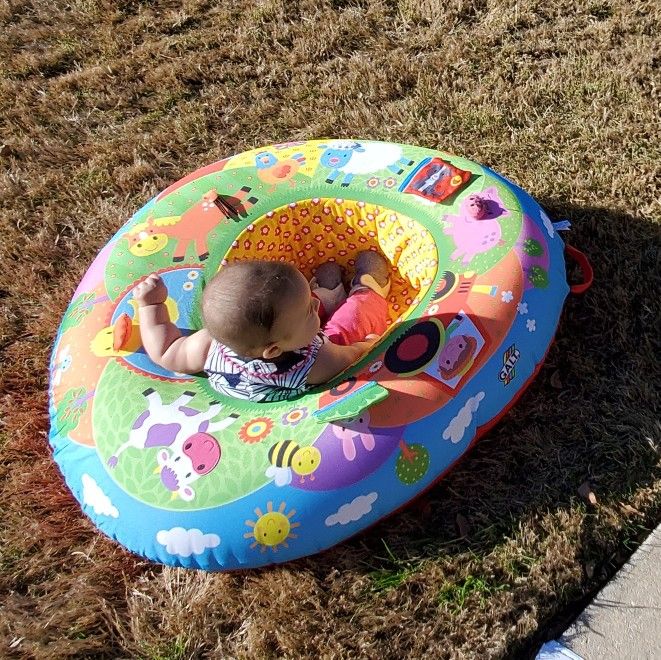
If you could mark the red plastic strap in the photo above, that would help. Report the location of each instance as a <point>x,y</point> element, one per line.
<point>584,263</point>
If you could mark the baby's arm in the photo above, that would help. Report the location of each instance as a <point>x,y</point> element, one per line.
<point>162,340</point>
<point>333,359</point>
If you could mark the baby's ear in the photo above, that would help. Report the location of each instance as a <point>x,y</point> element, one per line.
<point>271,352</point>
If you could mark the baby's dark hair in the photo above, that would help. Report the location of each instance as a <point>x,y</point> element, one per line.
<point>240,304</point>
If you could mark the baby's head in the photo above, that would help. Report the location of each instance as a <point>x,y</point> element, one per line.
<point>260,308</point>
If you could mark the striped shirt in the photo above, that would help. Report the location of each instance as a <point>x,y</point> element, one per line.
<point>260,380</point>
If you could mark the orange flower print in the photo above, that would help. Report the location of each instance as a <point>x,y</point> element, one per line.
<point>255,430</point>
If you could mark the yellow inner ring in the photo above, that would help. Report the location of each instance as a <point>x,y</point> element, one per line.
<point>308,232</point>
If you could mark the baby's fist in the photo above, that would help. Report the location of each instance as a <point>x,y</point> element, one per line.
<point>370,340</point>
<point>150,291</point>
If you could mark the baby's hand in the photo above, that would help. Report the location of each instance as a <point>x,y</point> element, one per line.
<point>151,291</point>
<point>366,344</point>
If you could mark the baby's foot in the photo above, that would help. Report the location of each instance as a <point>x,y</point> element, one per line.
<point>328,287</point>
<point>328,275</point>
<point>372,272</point>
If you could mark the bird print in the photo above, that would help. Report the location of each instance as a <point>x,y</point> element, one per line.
<point>273,170</point>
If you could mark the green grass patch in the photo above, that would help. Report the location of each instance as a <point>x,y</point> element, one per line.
<point>456,596</point>
<point>172,650</point>
<point>393,573</point>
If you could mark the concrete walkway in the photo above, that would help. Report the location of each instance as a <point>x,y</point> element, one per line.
<point>623,622</point>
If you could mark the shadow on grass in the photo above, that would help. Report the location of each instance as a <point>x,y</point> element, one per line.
<point>588,417</point>
<point>505,540</point>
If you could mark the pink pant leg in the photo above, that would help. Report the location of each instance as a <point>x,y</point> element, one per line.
<point>363,313</point>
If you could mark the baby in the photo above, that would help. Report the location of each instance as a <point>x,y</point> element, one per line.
<point>261,339</point>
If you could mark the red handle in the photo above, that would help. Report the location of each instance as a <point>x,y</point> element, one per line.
<point>584,263</point>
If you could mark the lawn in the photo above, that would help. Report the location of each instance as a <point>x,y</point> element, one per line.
<point>105,103</point>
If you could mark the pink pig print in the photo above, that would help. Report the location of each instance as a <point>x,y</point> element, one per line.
<point>476,228</point>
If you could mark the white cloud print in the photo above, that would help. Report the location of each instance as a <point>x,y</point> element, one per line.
<point>457,426</point>
<point>94,497</point>
<point>354,510</point>
<point>185,542</point>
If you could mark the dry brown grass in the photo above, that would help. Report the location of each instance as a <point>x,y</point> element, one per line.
<point>102,104</point>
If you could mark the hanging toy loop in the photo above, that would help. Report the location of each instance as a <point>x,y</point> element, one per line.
<point>585,266</point>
